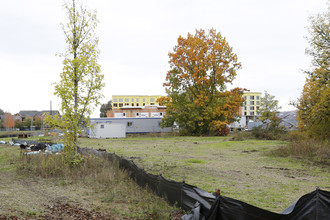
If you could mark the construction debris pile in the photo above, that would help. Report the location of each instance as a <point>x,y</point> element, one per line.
<point>33,147</point>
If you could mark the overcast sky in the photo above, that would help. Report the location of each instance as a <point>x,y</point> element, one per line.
<point>136,37</point>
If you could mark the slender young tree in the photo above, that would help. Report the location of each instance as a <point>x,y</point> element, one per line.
<point>81,81</point>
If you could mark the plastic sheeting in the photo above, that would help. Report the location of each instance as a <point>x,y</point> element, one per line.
<point>312,206</point>
<point>204,205</point>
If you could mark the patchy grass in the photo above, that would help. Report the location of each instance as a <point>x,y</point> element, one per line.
<point>33,185</point>
<point>241,169</point>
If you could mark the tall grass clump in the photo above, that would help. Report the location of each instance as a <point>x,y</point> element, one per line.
<point>303,147</point>
<point>78,167</point>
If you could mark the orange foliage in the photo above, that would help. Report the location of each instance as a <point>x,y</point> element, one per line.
<point>201,65</point>
<point>8,121</point>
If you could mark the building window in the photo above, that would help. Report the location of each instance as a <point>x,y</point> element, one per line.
<point>258,103</point>
<point>245,108</point>
<point>144,104</point>
<point>132,100</point>
<point>126,100</point>
<point>258,97</point>
<point>251,107</point>
<point>115,100</point>
<point>251,113</point>
<point>124,114</point>
<point>137,99</point>
<point>144,100</point>
<point>137,114</point>
<point>252,97</point>
<point>115,105</point>
<point>152,103</point>
<point>137,104</point>
<point>152,99</point>
<point>251,102</point>
<point>120,100</point>
<point>126,104</point>
<point>132,104</point>
<point>244,97</point>
<point>244,113</point>
<point>245,103</point>
<point>120,104</point>
<point>161,113</point>
<point>101,126</point>
<point>129,124</point>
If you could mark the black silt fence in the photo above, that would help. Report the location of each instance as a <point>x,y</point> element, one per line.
<point>208,206</point>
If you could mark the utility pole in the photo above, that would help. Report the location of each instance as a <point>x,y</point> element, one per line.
<point>31,122</point>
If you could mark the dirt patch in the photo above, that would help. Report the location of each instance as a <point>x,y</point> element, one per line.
<point>64,210</point>
<point>276,168</point>
<point>176,214</point>
<point>73,211</point>
<point>249,151</point>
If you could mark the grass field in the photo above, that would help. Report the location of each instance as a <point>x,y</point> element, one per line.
<point>243,170</point>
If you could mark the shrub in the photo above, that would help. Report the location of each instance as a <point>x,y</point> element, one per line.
<point>242,136</point>
<point>268,133</point>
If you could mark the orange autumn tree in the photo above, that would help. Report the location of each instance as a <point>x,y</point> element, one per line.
<point>201,65</point>
<point>314,103</point>
<point>8,121</point>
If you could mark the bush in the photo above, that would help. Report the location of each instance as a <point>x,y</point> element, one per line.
<point>268,133</point>
<point>242,136</point>
<point>297,136</point>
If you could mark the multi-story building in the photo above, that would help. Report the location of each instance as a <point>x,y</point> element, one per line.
<point>137,112</point>
<point>251,105</point>
<point>119,101</point>
<point>136,106</point>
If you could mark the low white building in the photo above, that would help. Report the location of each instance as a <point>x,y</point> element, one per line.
<point>119,127</point>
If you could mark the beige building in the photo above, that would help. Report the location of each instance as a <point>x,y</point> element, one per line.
<point>251,104</point>
<point>119,101</point>
<point>136,106</point>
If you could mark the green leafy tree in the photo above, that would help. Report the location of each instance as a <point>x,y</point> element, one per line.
<point>37,122</point>
<point>27,122</point>
<point>271,129</point>
<point>314,103</point>
<point>104,108</point>
<point>201,65</point>
<point>18,124</point>
<point>268,107</point>
<point>81,81</point>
